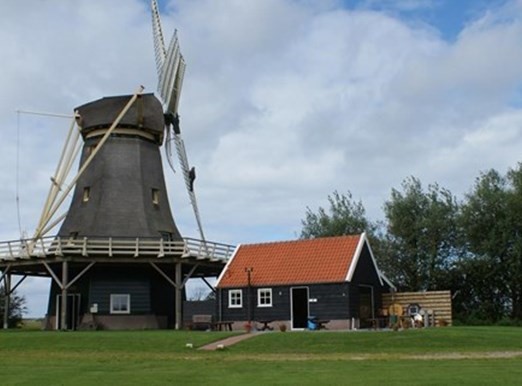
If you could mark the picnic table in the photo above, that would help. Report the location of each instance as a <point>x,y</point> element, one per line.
<point>380,322</point>
<point>321,323</point>
<point>265,324</point>
<point>223,326</point>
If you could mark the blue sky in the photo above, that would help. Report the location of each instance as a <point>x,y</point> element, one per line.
<point>448,17</point>
<point>283,102</point>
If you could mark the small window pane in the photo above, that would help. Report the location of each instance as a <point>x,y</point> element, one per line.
<point>264,297</point>
<point>120,304</point>
<point>86,194</point>
<point>155,196</point>
<point>235,298</point>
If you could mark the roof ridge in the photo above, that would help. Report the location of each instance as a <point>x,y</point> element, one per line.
<point>300,240</point>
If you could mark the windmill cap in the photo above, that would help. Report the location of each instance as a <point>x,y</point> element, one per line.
<point>145,114</point>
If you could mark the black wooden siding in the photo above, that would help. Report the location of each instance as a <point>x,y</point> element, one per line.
<point>137,287</point>
<point>81,287</point>
<point>149,292</point>
<point>163,297</point>
<point>365,274</point>
<point>199,307</point>
<point>332,303</point>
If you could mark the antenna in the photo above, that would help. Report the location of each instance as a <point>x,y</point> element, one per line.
<point>23,233</point>
<point>18,174</point>
<point>171,70</point>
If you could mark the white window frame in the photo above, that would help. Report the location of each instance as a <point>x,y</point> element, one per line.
<point>113,304</point>
<point>235,298</point>
<point>262,295</point>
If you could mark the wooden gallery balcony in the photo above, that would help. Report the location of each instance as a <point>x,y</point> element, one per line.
<point>113,249</point>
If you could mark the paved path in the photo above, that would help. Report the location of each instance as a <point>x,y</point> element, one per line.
<point>227,342</point>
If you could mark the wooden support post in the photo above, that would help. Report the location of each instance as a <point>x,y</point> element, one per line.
<point>7,298</point>
<point>63,310</point>
<point>178,279</point>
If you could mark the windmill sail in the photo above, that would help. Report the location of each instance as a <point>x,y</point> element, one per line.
<point>157,34</point>
<point>171,70</point>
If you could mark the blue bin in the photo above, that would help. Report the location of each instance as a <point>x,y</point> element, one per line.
<point>312,323</point>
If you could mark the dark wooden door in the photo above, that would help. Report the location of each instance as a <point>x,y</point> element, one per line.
<point>299,307</point>
<point>73,311</point>
<point>365,306</point>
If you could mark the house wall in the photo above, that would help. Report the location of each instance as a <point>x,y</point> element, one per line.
<point>152,302</point>
<point>326,301</point>
<point>280,309</point>
<point>138,287</point>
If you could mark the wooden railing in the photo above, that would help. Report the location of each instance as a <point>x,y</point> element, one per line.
<point>114,247</point>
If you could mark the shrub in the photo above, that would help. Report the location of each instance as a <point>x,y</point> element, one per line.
<point>17,308</point>
<point>508,322</point>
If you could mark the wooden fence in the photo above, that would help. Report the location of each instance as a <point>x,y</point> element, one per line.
<point>438,302</point>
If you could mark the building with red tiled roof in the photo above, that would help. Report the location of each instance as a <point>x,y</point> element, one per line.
<point>334,279</point>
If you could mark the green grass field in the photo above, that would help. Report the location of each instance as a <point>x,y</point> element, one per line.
<point>441,356</point>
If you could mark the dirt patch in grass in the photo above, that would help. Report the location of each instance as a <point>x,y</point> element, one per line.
<point>468,355</point>
<point>382,357</point>
<point>225,355</point>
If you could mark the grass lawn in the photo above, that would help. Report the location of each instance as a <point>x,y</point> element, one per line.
<point>444,356</point>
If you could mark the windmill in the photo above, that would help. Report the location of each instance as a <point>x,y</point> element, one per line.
<point>118,259</point>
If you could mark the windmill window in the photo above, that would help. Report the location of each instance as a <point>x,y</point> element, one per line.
<point>264,297</point>
<point>166,236</point>
<point>155,196</point>
<point>235,298</point>
<point>120,304</point>
<point>86,194</point>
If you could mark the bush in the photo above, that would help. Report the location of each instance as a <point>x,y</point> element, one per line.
<point>17,308</point>
<point>508,322</point>
<point>472,319</point>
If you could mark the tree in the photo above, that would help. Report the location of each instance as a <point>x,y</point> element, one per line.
<point>17,308</point>
<point>345,217</point>
<point>421,235</point>
<point>492,223</point>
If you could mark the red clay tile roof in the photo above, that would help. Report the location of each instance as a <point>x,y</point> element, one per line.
<point>320,260</point>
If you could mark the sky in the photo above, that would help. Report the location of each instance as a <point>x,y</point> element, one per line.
<point>283,101</point>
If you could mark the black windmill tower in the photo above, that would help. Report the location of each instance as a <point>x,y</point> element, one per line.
<point>118,259</point>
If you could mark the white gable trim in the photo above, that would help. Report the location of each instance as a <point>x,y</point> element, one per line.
<point>385,279</point>
<point>362,240</point>
<point>355,257</point>
<point>227,265</point>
